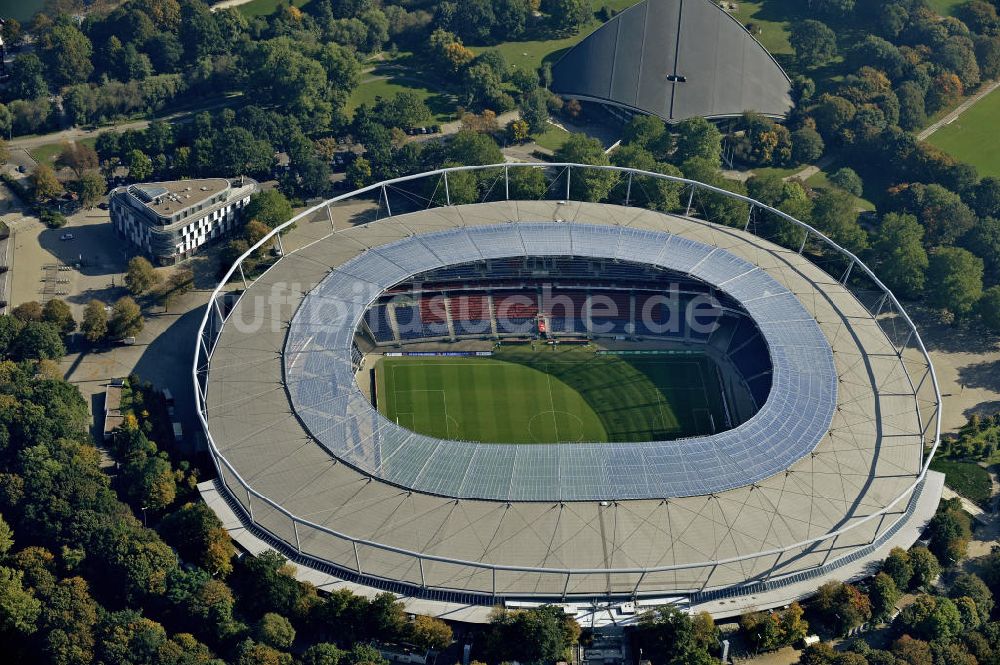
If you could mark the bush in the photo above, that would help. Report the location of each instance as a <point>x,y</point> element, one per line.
<point>848,180</point>
<point>52,218</point>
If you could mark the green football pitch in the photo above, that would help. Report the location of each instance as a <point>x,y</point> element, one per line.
<point>549,396</point>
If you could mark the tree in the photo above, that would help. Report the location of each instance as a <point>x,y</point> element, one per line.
<point>942,213</point>
<point>536,635</point>
<point>265,584</point>
<point>925,566</point>
<point>649,132</point>
<point>879,53</point>
<point>832,114</point>
<point>517,131</point>
<point>842,606</point>
<point>38,340</point>
<point>79,157</point>
<point>95,321</point>
<point>931,618</point>
<point>27,80</point>
<point>57,312</point>
<point>957,278</point>
<point>648,192</point>
<point>568,16</point>
<point>140,167</point>
<point>884,596</point>
<point>897,566</point>
<point>45,183</point>
<point>971,586</point>
<point>19,609</point>
<point>717,208</point>
<point>834,215</point>
<point>323,653</point>
<point>270,207</point>
<point>359,172</point>
<point>987,197</point>
<point>833,7</point>
<point>769,631</point>
<point>469,147</point>
<point>912,109</point>
<point>697,137</point>
<point>912,651</point>
<point>815,44</point>
<point>527,183</point>
<point>12,33</point>
<point>6,537</point>
<point>140,276</point>
<point>980,16</point>
<point>807,145</point>
<point>670,636</point>
<point>28,311</point>
<point>275,630</point>
<point>820,653</point>
<point>66,53</point>
<point>69,615</point>
<point>535,109</point>
<point>945,90</point>
<point>950,531</point>
<point>848,180</point>
<point>197,534</point>
<point>92,188</point>
<point>586,184</point>
<point>430,633</point>
<point>989,308</point>
<point>899,253</point>
<point>126,319</point>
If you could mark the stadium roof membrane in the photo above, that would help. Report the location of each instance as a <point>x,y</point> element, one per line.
<point>853,487</point>
<point>676,59</point>
<point>325,394</point>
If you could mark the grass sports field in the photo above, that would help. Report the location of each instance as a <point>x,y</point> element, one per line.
<point>547,396</point>
<point>974,137</point>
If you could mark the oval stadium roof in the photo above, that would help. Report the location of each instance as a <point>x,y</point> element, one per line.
<point>676,59</point>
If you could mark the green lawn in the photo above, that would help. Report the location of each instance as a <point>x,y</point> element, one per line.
<point>265,7</point>
<point>822,181</point>
<point>547,396</point>
<point>47,153</point>
<point>403,72</point>
<point>945,7</point>
<point>770,31</point>
<point>529,54</point>
<point>967,478</point>
<point>552,138</point>
<point>975,136</point>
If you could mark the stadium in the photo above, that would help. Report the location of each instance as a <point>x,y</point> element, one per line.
<point>473,394</point>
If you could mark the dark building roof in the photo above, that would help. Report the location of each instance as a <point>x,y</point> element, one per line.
<point>676,59</point>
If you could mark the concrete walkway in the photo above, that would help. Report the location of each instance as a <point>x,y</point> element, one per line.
<point>78,133</point>
<point>962,108</point>
<point>969,507</point>
<point>811,170</point>
<point>226,4</point>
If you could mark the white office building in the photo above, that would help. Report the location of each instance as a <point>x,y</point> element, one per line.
<point>171,221</point>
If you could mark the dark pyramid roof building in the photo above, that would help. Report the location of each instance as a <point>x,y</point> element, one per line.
<point>676,59</point>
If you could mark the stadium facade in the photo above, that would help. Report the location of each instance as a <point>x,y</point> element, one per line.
<point>676,59</point>
<point>827,473</point>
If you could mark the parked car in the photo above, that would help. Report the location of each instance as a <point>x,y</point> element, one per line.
<point>66,236</point>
